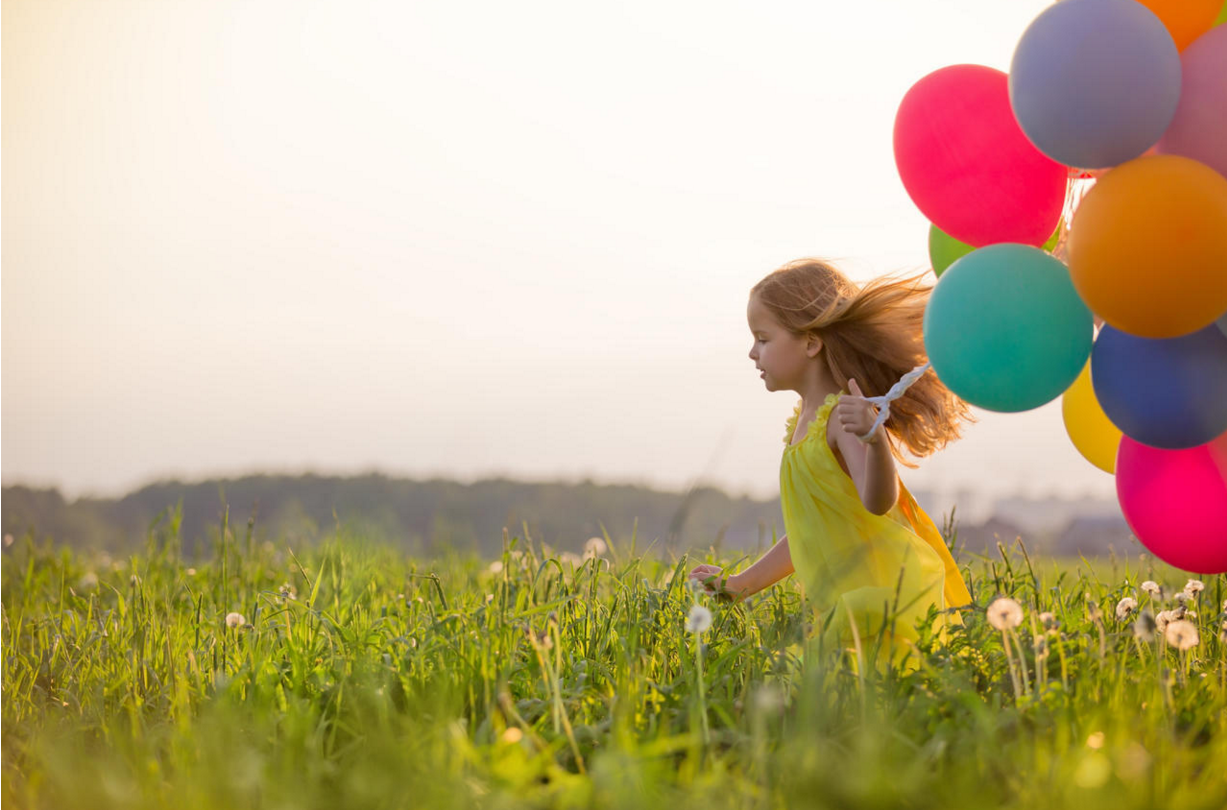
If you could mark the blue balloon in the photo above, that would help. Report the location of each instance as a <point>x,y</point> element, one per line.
<point>1005,329</point>
<point>1169,393</point>
<point>1094,83</point>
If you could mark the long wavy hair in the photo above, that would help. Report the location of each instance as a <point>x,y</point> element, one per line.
<point>875,333</point>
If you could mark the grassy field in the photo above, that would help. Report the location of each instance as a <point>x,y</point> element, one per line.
<point>348,676</point>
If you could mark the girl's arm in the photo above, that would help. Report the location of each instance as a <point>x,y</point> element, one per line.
<point>770,569</point>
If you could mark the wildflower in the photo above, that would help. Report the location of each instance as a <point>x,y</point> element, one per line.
<point>1041,647</point>
<point>8,540</point>
<point>489,598</point>
<point>1004,612</point>
<point>1124,607</point>
<point>235,620</point>
<point>1151,587</point>
<point>699,620</point>
<point>191,572</point>
<point>1182,597</point>
<point>496,567</point>
<point>1050,623</point>
<point>1194,587</point>
<point>1095,740</point>
<point>287,591</point>
<point>1181,634</point>
<point>1144,627</point>
<point>595,547</point>
<point>1163,619</point>
<point>1092,608</point>
<point>513,735</point>
<point>88,581</point>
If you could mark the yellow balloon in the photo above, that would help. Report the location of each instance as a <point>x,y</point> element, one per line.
<point>1089,428</point>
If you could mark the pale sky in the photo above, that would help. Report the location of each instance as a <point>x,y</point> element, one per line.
<point>452,239</point>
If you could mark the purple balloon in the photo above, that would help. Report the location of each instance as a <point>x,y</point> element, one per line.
<point>1095,83</point>
<point>1199,129</point>
<point>1169,393</point>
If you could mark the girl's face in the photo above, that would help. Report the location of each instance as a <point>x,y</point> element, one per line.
<point>782,357</point>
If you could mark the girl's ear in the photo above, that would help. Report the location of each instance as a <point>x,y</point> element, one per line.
<point>813,346</point>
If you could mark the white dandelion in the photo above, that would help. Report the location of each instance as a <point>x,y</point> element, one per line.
<point>235,620</point>
<point>1151,587</point>
<point>496,567</point>
<point>1004,613</point>
<point>699,620</point>
<point>1124,607</point>
<point>595,547</point>
<point>287,591</point>
<point>1181,634</point>
<point>1182,597</point>
<point>1194,586</point>
<point>1163,618</point>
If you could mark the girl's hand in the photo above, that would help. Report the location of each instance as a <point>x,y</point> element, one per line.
<point>711,577</point>
<point>856,414</point>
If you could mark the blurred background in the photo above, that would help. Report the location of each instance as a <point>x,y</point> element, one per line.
<point>416,242</point>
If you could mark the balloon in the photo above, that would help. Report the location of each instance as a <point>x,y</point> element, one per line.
<point>1185,20</point>
<point>1005,329</point>
<point>1148,246</point>
<point>1095,83</point>
<point>1175,502</point>
<point>1169,393</point>
<point>944,249</point>
<point>1222,15</point>
<point>1089,428</point>
<point>1199,128</point>
<point>966,164</point>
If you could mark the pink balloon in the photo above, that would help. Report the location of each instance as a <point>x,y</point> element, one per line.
<point>967,165</point>
<point>1175,501</point>
<point>1199,128</point>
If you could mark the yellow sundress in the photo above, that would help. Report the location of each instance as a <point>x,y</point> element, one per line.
<point>848,559</point>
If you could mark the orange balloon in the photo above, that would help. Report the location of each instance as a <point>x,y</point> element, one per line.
<point>1186,20</point>
<point>1148,246</point>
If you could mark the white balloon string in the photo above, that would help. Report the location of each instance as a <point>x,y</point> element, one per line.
<point>896,391</point>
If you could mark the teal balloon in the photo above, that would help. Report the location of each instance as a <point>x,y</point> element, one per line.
<point>1006,330</point>
<point>945,250</point>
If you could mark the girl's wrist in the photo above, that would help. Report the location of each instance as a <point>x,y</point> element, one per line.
<point>733,586</point>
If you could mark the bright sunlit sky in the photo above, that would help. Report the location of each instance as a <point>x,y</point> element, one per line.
<point>435,238</point>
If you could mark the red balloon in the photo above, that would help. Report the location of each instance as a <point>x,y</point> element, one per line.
<point>967,165</point>
<point>1175,501</point>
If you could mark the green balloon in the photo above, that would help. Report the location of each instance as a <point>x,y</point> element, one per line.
<point>945,250</point>
<point>1006,330</point>
<point>1222,16</point>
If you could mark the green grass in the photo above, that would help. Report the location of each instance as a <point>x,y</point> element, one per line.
<point>394,682</point>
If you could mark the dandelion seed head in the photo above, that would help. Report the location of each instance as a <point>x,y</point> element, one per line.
<point>1004,613</point>
<point>1151,587</point>
<point>191,572</point>
<point>1162,619</point>
<point>496,567</point>
<point>1182,596</point>
<point>88,580</point>
<point>1194,586</point>
<point>699,620</point>
<point>235,620</point>
<point>1124,607</point>
<point>595,547</point>
<point>1181,634</point>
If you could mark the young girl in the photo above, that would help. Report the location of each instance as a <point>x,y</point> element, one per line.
<point>866,554</point>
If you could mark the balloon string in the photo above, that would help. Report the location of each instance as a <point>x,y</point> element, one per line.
<point>896,391</point>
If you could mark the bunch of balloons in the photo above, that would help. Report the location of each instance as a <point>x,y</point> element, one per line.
<point>1128,98</point>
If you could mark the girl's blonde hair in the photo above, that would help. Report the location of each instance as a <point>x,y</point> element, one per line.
<point>874,333</point>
